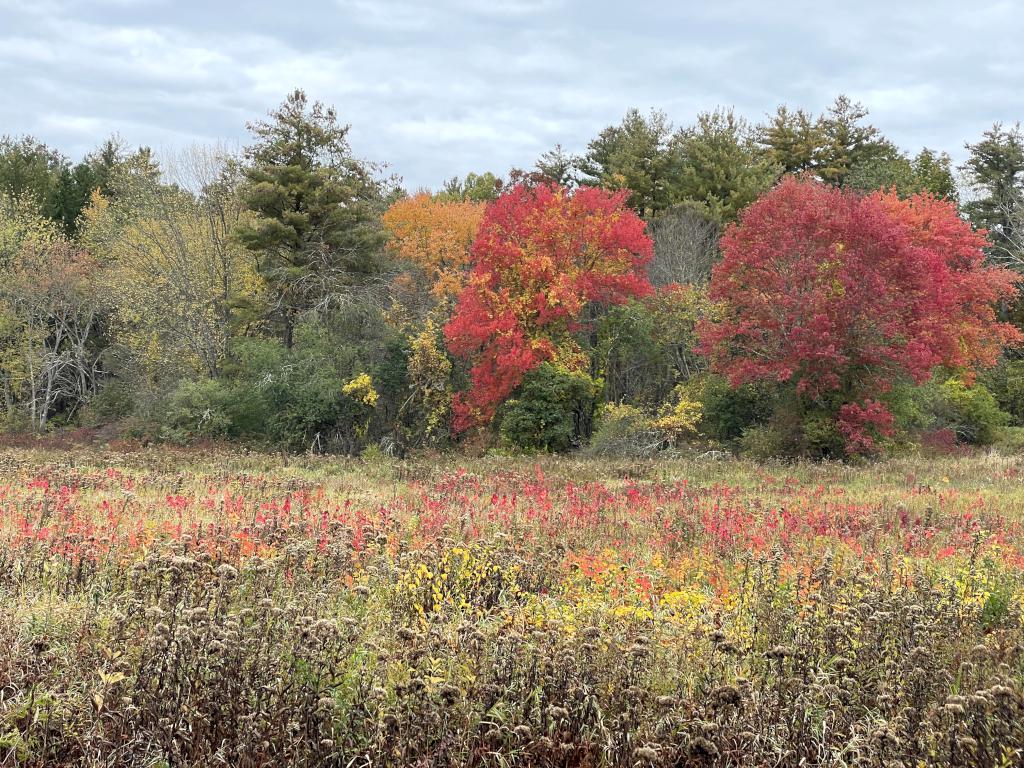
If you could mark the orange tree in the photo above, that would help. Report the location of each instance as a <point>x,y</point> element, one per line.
<point>836,296</point>
<point>435,235</point>
<point>544,258</point>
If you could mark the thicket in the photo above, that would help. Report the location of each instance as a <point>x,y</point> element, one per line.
<point>295,296</point>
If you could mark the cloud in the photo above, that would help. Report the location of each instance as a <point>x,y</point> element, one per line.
<point>443,88</point>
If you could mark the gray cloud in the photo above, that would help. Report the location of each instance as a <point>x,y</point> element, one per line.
<point>442,88</point>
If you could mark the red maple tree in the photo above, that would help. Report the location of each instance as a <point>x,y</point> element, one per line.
<point>542,256</point>
<point>840,293</point>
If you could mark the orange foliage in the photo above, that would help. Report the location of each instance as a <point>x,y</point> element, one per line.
<point>436,236</point>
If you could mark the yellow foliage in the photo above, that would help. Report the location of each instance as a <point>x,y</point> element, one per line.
<point>680,420</point>
<point>172,273</point>
<point>429,371</point>
<point>361,390</point>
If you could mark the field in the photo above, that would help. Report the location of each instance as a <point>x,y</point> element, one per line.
<point>165,608</point>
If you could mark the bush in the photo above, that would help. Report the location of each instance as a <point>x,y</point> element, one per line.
<point>971,412</point>
<point>678,420</point>
<point>552,410</point>
<point>625,430</point>
<point>1009,440</point>
<point>197,409</point>
<point>822,438</point>
<point>1006,383</point>
<point>764,442</point>
<point>727,413</point>
<point>115,400</point>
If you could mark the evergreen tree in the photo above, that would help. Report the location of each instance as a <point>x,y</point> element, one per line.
<point>827,147</point>
<point>995,171</point>
<point>641,154</point>
<point>558,167</point>
<point>473,188</point>
<point>927,172</point>
<point>791,140</point>
<point>720,170</point>
<point>316,227</point>
<point>848,141</point>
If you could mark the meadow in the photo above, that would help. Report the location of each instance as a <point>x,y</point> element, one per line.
<point>166,607</point>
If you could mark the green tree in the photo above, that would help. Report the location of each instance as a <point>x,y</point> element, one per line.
<point>927,172</point>
<point>791,140</point>
<point>933,172</point>
<point>474,188</point>
<point>828,146</point>
<point>848,141</point>
<point>721,172</point>
<point>31,171</point>
<point>557,166</point>
<point>57,190</point>
<point>316,231</point>
<point>553,410</point>
<point>641,154</point>
<point>995,171</point>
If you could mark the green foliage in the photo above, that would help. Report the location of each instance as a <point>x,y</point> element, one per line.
<point>721,171</point>
<point>821,436</point>
<point>933,172</point>
<point>1006,383</point>
<point>970,411</point>
<point>316,228</point>
<point>115,400</point>
<point>829,146</point>
<point>29,170</point>
<point>552,410</point>
<point>641,154</point>
<point>625,431</point>
<point>646,348</point>
<point>45,179</point>
<point>764,442</point>
<point>726,412</point>
<point>928,172</point>
<point>303,399</point>
<point>473,187</point>
<point>1009,441</point>
<point>557,167</point>
<point>995,170</point>
<point>199,409</point>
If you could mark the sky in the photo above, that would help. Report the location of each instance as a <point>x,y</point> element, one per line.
<point>439,88</point>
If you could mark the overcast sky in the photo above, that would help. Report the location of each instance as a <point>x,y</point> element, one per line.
<point>443,87</point>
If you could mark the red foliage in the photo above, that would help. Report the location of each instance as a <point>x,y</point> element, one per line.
<point>541,256</point>
<point>861,425</point>
<point>838,292</point>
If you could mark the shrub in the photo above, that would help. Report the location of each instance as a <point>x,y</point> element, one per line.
<point>971,412</point>
<point>198,409</point>
<point>1010,440</point>
<point>1006,383</point>
<point>679,420</point>
<point>763,442</point>
<point>625,430</point>
<point>727,412</point>
<point>552,410</point>
<point>821,436</point>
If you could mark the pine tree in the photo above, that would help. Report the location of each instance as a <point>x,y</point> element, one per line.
<point>995,170</point>
<point>316,228</point>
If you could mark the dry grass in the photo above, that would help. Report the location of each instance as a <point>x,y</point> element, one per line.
<point>215,608</point>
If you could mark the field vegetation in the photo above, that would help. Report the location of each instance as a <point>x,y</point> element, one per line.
<point>198,608</point>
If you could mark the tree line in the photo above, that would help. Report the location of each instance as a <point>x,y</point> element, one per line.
<point>798,286</point>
